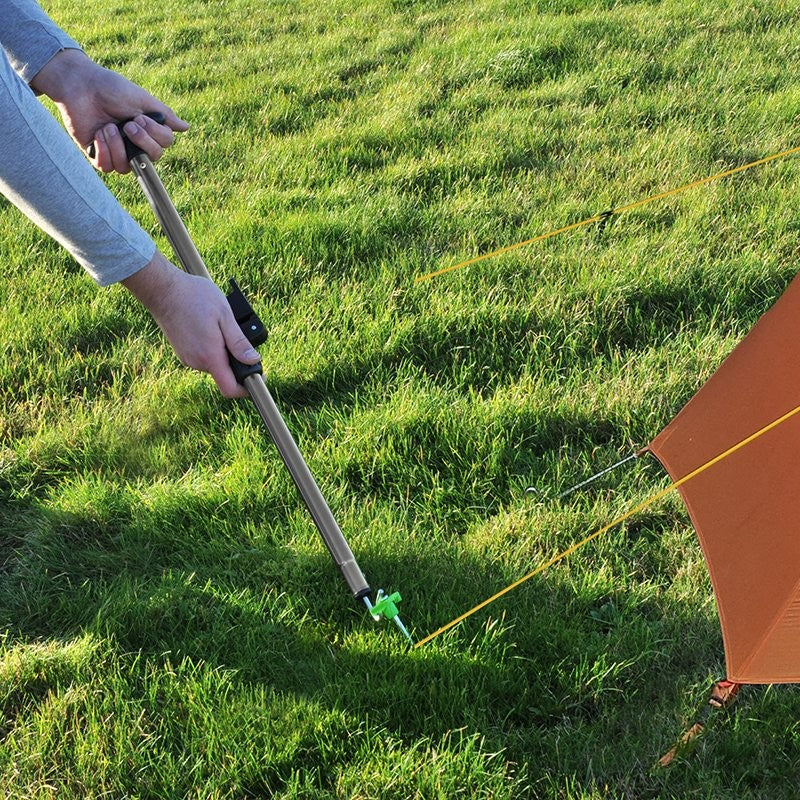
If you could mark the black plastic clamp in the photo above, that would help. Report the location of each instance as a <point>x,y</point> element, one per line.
<point>252,327</point>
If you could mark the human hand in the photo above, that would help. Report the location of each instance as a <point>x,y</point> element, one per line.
<point>93,100</point>
<point>196,319</point>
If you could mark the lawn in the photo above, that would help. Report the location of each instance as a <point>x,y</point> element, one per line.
<point>172,624</point>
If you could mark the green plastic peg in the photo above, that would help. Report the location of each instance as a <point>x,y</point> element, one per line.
<point>387,606</point>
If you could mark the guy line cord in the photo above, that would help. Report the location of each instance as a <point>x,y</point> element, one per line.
<point>635,510</point>
<point>605,215</point>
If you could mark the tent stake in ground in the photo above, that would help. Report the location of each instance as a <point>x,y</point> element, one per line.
<point>251,378</point>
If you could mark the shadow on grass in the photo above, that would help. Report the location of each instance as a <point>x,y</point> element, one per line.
<point>560,669</point>
<point>548,656</point>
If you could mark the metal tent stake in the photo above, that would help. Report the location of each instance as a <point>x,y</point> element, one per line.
<point>253,381</point>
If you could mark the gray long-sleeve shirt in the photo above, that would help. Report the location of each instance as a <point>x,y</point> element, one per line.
<point>42,171</point>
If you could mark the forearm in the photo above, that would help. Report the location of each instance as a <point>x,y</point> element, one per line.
<point>30,37</point>
<point>44,174</point>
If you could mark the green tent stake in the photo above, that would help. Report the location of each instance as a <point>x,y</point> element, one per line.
<point>386,607</point>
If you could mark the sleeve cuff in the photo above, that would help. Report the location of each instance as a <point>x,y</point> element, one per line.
<point>43,55</point>
<point>30,38</point>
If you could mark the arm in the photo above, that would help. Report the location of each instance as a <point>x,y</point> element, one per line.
<point>91,99</point>
<point>29,37</point>
<point>43,173</point>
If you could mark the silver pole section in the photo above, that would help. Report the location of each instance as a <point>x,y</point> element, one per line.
<point>192,262</point>
<point>307,486</point>
<point>168,216</point>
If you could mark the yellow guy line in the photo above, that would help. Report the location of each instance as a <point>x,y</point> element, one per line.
<point>610,525</point>
<point>606,214</point>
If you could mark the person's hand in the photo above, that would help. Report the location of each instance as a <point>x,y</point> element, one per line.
<point>196,319</point>
<point>92,100</point>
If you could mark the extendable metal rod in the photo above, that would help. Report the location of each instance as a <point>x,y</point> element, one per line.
<point>192,262</point>
<point>167,216</point>
<point>323,518</point>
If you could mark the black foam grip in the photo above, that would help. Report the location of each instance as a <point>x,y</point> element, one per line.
<point>241,370</point>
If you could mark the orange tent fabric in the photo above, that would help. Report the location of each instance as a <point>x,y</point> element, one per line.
<point>746,508</point>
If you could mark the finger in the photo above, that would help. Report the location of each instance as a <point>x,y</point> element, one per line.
<point>242,350</point>
<point>167,116</point>
<point>228,385</point>
<point>98,152</point>
<point>213,359</point>
<point>236,342</point>
<point>159,132</point>
<point>116,149</point>
<point>136,131</point>
<point>104,151</point>
<point>220,370</point>
<point>173,121</point>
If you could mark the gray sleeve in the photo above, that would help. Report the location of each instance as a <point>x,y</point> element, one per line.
<point>45,175</point>
<point>30,37</point>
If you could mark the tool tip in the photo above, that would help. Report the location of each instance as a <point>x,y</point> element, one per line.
<point>403,629</point>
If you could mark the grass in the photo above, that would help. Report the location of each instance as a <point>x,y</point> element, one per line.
<point>173,626</point>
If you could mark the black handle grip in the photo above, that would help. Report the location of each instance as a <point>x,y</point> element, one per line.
<point>252,327</point>
<point>241,370</point>
<point>131,150</point>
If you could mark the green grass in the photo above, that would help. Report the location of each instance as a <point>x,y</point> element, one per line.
<point>173,625</point>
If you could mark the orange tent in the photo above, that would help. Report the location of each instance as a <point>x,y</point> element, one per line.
<point>746,507</point>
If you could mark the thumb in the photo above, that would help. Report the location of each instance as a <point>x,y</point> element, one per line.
<point>236,342</point>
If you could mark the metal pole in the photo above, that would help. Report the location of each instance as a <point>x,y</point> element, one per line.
<point>323,518</point>
<point>192,262</point>
<point>168,216</point>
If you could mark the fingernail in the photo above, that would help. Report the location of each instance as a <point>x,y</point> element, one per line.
<point>252,353</point>
<point>131,128</point>
<point>110,130</point>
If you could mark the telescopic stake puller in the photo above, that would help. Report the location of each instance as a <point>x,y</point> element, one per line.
<point>250,376</point>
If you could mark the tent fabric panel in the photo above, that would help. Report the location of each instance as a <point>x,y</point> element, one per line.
<point>746,508</point>
<point>777,661</point>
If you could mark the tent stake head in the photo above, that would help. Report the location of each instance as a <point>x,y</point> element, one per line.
<point>386,607</point>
